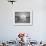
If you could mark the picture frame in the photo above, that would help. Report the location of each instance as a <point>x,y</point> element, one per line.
<point>23,17</point>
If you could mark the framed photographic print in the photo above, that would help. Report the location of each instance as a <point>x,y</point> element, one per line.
<point>23,18</point>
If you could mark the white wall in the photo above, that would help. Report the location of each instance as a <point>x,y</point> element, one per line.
<point>9,31</point>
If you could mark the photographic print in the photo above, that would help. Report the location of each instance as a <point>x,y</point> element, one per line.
<point>23,18</point>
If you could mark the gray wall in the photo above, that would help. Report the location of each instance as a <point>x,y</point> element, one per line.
<point>9,31</point>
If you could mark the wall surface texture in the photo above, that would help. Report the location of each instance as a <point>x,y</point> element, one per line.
<point>8,30</point>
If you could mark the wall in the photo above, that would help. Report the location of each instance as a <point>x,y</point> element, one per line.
<point>9,31</point>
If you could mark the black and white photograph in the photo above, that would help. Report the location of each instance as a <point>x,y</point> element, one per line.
<point>23,18</point>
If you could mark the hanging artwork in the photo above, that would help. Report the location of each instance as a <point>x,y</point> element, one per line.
<point>23,18</point>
